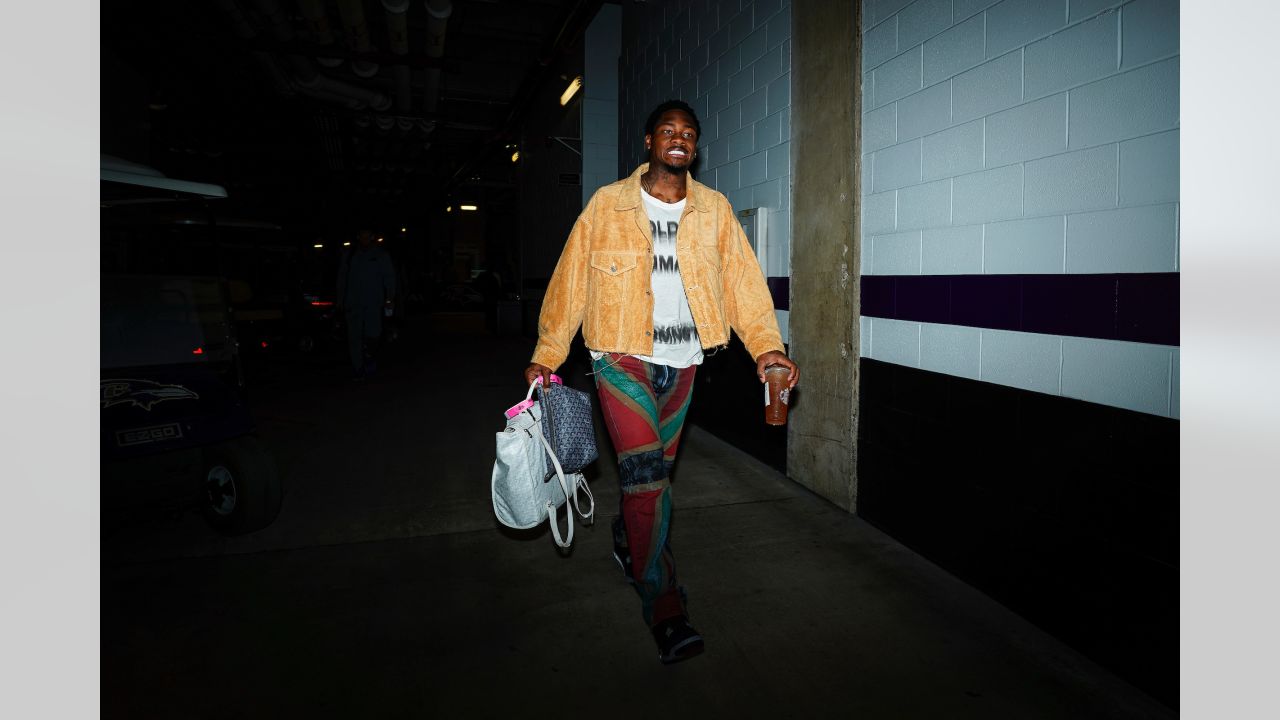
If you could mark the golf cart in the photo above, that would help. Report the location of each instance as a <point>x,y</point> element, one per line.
<point>176,432</point>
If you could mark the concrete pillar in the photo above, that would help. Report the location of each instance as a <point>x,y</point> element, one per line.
<point>826,111</point>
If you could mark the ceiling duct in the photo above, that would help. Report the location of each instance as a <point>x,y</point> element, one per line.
<point>438,12</point>
<point>356,31</point>
<point>318,25</point>
<point>310,81</point>
<point>398,37</point>
<point>245,31</point>
<point>320,93</point>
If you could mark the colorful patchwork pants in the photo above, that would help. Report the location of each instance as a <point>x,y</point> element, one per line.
<point>644,407</point>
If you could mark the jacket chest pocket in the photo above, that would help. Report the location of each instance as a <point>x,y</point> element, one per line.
<point>704,240</point>
<point>610,272</point>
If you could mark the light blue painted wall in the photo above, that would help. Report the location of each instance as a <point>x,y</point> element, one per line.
<point>1022,136</point>
<point>986,112</point>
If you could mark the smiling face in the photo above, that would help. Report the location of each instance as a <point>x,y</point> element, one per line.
<point>674,141</point>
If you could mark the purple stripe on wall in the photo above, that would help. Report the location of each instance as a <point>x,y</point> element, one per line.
<point>780,289</point>
<point>1141,307</point>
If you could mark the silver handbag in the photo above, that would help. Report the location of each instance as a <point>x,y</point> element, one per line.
<point>523,494</point>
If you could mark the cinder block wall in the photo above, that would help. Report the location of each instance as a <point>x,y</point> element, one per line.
<point>1035,140</point>
<point>601,49</point>
<point>1019,376</point>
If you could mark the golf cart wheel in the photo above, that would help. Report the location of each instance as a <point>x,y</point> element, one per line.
<point>242,490</point>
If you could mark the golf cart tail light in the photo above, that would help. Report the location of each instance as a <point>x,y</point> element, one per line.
<point>198,351</point>
<point>321,303</point>
<point>264,343</point>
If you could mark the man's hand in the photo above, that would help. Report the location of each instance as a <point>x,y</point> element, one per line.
<point>533,371</point>
<point>773,357</point>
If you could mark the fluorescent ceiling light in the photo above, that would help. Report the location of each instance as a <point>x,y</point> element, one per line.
<point>466,207</point>
<point>317,246</point>
<point>568,93</point>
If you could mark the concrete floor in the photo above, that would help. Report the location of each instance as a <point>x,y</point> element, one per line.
<point>386,588</point>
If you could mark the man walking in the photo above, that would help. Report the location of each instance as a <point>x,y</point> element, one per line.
<point>366,287</point>
<point>655,271</point>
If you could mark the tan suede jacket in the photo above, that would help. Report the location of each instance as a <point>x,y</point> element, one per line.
<point>602,282</point>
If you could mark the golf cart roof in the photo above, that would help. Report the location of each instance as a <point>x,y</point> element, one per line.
<point>125,182</point>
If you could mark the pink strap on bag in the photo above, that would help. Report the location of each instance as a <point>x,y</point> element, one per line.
<point>525,404</point>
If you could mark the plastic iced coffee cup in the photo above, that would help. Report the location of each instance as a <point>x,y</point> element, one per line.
<point>777,395</point>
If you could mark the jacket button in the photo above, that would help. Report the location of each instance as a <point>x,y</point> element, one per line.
<point>646,332</point>
<point>613,268</point>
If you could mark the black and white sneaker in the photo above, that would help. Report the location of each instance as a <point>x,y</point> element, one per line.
<point>677,640</point>
<point>621,554</point>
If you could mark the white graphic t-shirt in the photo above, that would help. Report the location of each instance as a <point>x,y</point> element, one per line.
<point>675,337</point>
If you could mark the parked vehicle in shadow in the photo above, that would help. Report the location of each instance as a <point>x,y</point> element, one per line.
<point>175,429</point>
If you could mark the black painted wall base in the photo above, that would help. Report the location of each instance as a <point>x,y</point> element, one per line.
<point>1064,511</point>
<point>728,401</point>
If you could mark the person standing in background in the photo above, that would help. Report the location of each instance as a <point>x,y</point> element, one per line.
<point>366,289</point>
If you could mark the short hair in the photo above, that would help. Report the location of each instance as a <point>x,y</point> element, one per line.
<point>680,105</point>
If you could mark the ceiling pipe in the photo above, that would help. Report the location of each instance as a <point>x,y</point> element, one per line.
<point>245,31</point>
<point>282,29</point>
<point>318,24</point>
<point>371,98</point>
<point>356,31</point>
<point>320,93</point>
<point>438,12</point>
<point>398,36</point>
<point>243,28</point>
<point>307,79</point>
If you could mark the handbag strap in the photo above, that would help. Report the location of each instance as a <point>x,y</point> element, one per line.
<point>555,380</point>
<point>562,541</point>
<point>548,416</point>
<point>580,483</point>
